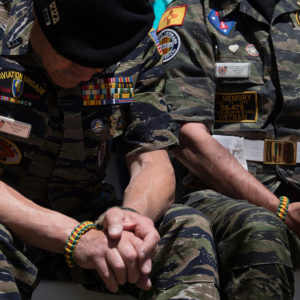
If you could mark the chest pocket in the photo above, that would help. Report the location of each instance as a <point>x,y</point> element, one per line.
<point>241,65</point>
<point>104,105</point>
<point>239,76</point>
<point>104,122</point>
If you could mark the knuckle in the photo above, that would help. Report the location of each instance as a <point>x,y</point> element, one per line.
<point>106,276</point>
<point>119,268</point>
<point>156,237</point>
<point>131,256</point>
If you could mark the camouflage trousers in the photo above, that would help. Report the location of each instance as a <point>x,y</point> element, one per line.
<point>184,267</point>
<point>257,253</point>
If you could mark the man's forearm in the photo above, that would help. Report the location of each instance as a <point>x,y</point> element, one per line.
<point>152,184</point>
<point>217,168</point>
<point>34,224</point>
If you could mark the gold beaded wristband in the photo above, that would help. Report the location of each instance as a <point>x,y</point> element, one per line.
<point>283,207</point>
<point>73,239</point>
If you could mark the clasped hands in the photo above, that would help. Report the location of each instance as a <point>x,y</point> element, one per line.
<point>122,252</point>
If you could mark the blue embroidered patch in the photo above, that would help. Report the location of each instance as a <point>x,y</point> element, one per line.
<point>223,26</point>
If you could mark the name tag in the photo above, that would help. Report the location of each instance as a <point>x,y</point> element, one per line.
<point>14,127</point>
<point>232,70</point>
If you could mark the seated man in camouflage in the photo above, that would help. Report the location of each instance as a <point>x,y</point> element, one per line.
<point>73,76</point>
<point>232,67</point>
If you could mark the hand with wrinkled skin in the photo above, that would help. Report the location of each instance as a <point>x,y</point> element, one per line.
<point>137,274</point>
<point>293,218</point>
<point>114,259</point>
<point>117,220</point>
<point>150,192</point>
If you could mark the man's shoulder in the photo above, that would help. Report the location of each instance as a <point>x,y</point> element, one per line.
<point>148,46</point>
<point>179,12</point>
<point>146,56</point>
<point>182,3</point>
<point>5,8</point>
<point>15,23</point>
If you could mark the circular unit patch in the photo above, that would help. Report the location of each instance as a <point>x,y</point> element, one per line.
<point>251,50</point>
<point>9,152</point>
<point>97,125</point>
<point>170,43</point>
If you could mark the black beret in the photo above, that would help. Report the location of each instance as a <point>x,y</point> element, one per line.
<point>94,33</point>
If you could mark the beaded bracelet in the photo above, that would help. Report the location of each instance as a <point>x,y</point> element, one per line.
<point>283,207</point>
<point>73,239</point>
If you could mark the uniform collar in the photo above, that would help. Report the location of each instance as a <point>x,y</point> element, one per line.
<point>228,6</point>
<point>15,39</point>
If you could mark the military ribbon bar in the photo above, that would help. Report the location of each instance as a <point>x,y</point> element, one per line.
<point>108,91</point>
<point>15,101</point>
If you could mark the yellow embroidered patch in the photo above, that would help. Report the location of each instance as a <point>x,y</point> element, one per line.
<point>172,16</point>
<point>297,17</point>
<point>236,107</point>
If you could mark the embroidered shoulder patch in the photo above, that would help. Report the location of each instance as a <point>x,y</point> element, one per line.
<point>106,91</point>
<point>172,16</point>
<point>153,35</point>
<point>170,43</point>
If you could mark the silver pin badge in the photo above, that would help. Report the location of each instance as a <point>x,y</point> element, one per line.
<point>234,48</point>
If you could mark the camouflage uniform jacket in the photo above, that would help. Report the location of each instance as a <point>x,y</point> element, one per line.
<point>53,141</point>
<point>229,68</point>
